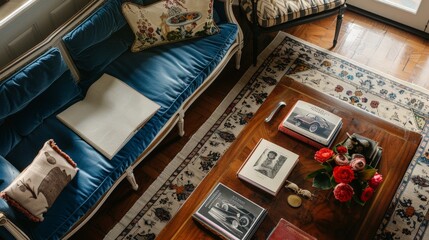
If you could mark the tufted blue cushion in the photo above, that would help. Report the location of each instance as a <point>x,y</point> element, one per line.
<point>101,25</point>
<point>7,174</point>
<point>8,138</point>
<point>96,57</point>
<point>22,87</point>
<point>60,93</point>
<point>175,69</point>
<point>102,38</point>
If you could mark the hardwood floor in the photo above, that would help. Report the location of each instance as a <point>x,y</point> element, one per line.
<point>363,40</point>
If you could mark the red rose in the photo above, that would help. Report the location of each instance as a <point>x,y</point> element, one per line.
<point>367,194</point>
<point>342,150</point>
<point>375,180</point>
<point>323,155</point>
<point>343,192</point>
<point>343,174</point>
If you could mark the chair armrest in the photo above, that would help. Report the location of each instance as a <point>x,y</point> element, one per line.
<point>231,19</point>
<point>12,228</point>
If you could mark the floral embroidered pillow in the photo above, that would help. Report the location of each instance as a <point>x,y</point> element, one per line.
<point>169,21</point>
<point>37,187</point>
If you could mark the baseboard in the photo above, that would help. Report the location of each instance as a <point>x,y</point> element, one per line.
<point>379,18</point>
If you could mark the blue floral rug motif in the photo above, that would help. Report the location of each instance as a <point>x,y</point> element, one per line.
<point>372,91</point>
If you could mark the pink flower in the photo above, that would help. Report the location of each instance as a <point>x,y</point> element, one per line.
<point>341,160</point>
<point>358,162</point>
<point>343,192</point>
<point>375,180</point>
<point>367,194</point>
<point>323,155</point>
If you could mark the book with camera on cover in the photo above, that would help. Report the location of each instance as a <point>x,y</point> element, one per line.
<point>268,166</point>
<point>312,122</point>
<point>286,230</point>
<point>229,214</point>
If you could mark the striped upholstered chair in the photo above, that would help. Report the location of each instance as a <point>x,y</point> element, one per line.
<point>274,15</point>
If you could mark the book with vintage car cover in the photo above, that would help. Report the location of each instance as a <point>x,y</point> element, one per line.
<point>229,214</point>
<point>286,230</point>
<point>312,122</point>
<point>307,140</point>
<point>268,166</point>
<point>109,115</point>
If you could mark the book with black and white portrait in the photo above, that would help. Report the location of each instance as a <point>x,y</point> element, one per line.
<point>268,166</point>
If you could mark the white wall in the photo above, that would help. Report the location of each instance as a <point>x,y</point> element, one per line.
<point>33,24</point>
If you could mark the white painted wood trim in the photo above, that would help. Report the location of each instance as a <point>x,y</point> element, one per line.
<point>12,228</point>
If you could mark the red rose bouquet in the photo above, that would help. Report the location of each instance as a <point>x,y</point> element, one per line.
<point>349,176</point>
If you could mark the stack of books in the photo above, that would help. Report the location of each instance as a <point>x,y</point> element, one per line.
<point>311,124</point>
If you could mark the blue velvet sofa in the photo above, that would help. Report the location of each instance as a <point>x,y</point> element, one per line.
<point>57,73</point>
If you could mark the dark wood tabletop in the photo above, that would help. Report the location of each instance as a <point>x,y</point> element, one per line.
<point>323,217</point>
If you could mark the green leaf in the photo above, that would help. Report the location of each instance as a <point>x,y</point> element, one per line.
<point>327,166</point>
<point>333,183</point>
<point>367,174</point>
<point>322,181</point>
<point>313,174</point>
<point>358,201</point>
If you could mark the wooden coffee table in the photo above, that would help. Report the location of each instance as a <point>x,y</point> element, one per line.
<point>322,217</point>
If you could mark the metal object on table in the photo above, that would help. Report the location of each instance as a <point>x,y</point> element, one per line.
<point>279,105</point>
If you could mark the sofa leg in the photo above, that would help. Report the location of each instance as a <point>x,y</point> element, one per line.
<point>132,179</point>
<point>181,124</point>
<point>238,59</point>
<point>12,228</point>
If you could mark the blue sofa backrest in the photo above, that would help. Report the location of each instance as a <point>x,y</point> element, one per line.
<point>32,94</point>
<point>103,37</point>
<point>99,40</point>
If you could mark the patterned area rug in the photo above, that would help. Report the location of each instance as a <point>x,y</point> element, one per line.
<point>372,91</point>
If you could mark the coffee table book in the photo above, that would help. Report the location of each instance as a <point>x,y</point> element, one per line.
<point>286,230</point>
<point>312,122</point>
<point>307,140</point>
<point>229,214</point>
<point>268,166</point>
